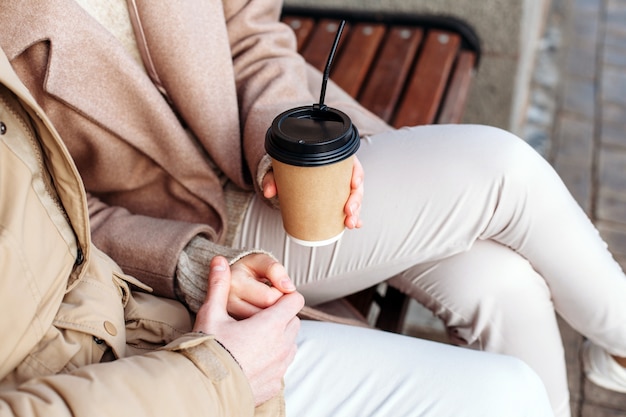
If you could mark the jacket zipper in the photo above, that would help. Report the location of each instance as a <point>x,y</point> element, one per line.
<point>29,129</point>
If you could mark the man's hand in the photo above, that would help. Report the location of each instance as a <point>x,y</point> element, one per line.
<point>264,344</point>
<point>352,209</point>
<point>258,281</point>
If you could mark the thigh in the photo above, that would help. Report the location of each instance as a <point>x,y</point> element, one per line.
<point>429,194</point>
<point>385,374</point>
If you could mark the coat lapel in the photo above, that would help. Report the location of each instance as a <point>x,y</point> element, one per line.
<point>122,99</point>
<point>185,47</point>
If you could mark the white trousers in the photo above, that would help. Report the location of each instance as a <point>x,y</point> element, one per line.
<point>475,225</point>
<point>343,371</point>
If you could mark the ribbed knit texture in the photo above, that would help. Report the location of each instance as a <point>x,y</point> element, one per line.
<point>193,269</point>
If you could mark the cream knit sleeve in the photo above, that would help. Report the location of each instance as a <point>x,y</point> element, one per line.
<point>192,271</point>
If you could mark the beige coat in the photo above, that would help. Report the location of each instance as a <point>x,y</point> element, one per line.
<point>76,340</point>
<point>228,67</point>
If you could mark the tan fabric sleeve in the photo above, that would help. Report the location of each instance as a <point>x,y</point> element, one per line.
<point>191,376</point>
<point>144,247</point>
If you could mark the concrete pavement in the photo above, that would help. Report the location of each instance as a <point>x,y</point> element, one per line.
<point>577,120</point>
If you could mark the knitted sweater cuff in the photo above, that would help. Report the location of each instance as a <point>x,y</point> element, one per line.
<point>193,268</point>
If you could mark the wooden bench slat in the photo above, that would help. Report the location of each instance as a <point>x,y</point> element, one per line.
<point>302,27</point>
<point>422,96</point>
<point>320,42</point>
<point>458,90</point>
<point>352,64</point>
<point>386,82</point>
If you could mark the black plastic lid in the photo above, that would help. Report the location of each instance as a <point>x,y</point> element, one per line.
<point>311,136</point>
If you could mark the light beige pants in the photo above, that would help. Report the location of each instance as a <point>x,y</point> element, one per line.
<point>475,225</point>
<point>342,371</point>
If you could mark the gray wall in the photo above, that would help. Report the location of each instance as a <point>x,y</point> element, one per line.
<point>509,31</point>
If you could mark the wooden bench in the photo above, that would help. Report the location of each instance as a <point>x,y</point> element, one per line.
<point>408,70</point>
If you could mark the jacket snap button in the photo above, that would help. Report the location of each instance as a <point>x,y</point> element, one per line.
<point>3,128</point>
<point>110,328</point>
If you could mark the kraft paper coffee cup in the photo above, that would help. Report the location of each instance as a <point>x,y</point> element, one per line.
<point>312,152</point>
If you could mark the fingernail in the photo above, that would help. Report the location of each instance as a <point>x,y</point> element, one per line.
<point>353,208</point>
<point>287,284</point>
<point>219,265</point>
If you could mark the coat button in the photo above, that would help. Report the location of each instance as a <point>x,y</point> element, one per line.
<point>3,128</point>
<point>110,328</point>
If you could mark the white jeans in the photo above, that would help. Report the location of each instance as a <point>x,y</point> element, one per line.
<point>343,371</point>
<point>475,225</point>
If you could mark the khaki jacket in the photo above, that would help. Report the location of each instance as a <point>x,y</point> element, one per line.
<point>227,68</point>
<point>76,339</point>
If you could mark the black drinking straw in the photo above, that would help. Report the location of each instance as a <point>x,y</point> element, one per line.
<point>321,104</point>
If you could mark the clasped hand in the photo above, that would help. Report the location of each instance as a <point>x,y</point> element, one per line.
<point>264,344</point>
<point>258,282</point>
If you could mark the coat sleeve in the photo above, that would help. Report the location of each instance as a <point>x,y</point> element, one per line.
<point>272,77</point>
<point>145,247</point>
<point>190,377</point>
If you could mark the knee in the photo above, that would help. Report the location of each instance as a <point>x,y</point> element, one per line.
<point>489,290</point>
<point>502,307</point>
<point>517,291</point>
<point>516,158</point>
<point>496,280</point>
<point>502,140</point>
<point>518,390</point>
